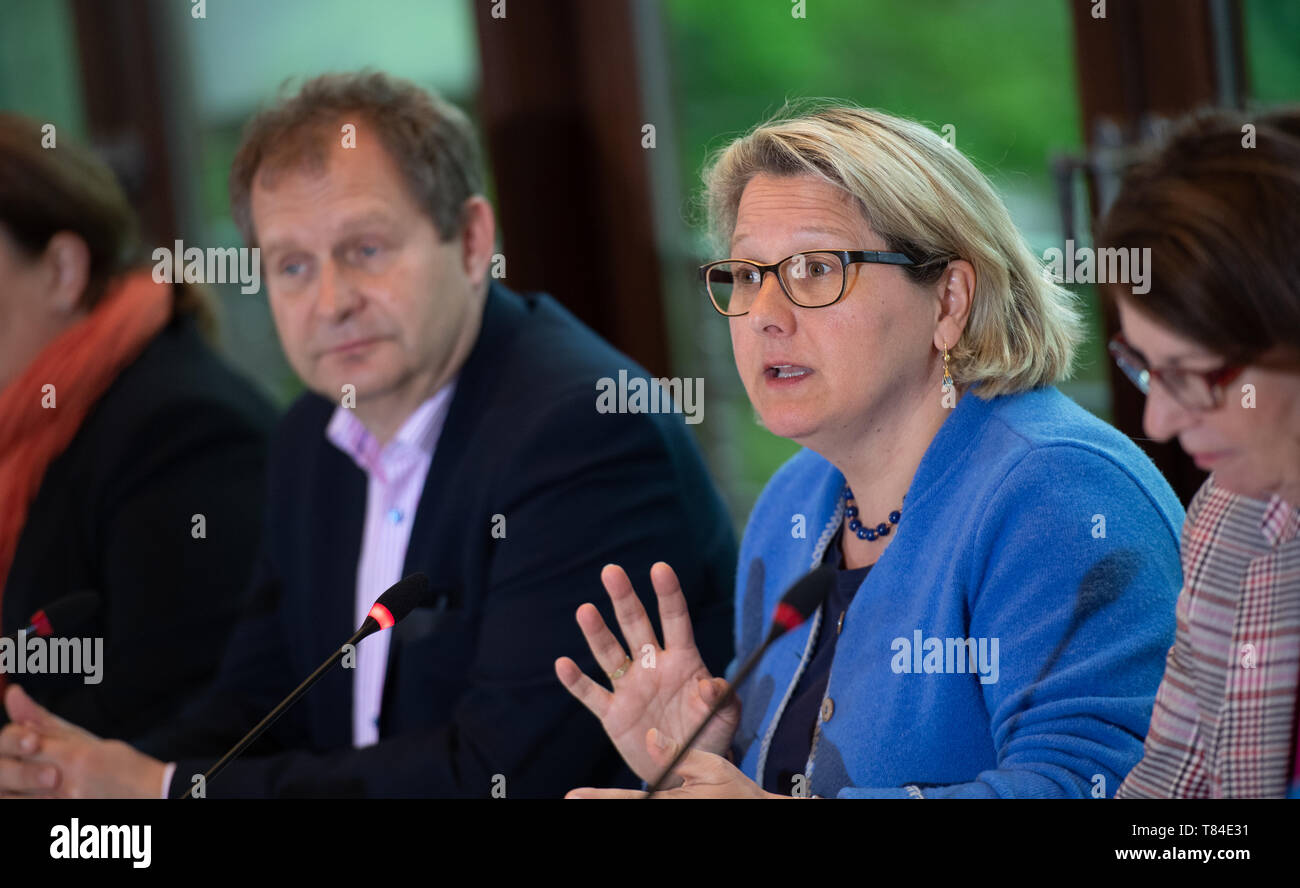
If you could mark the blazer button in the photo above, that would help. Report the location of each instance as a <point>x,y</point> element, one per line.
<point>828,709</point>
<point>839,624</point>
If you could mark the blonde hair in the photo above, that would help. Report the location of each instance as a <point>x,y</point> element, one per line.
<point>929,201</point>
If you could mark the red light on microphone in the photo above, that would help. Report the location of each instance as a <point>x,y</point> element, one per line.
<point>382,616</point>
<point>787,616</point>
<point>40,624</point>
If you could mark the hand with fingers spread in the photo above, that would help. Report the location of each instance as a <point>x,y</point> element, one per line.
<point>668,688</point>
<point>43,756</point>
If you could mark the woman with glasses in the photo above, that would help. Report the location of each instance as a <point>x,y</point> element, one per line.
<point>1215,345</point>
<point>1004,563</point>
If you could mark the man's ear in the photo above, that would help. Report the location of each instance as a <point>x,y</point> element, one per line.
<point>66,272</point>
<point>956,294</point>
<point>478,238</point>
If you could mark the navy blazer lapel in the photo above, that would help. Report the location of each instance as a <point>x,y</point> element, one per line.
<point>431,544</point>
<point>432,549</point>
<point>335,519</point>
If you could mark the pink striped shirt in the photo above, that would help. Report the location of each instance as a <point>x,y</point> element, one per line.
<point>396,473</point>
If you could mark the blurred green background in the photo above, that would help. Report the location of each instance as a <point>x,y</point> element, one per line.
<point>1001,72</point>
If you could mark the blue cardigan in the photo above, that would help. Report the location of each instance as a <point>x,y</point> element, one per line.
<point>1031,528</point>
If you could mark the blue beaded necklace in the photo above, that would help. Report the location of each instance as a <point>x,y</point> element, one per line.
<point>863,531</point>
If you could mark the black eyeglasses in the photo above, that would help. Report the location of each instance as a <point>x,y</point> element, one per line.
<point>811,279</point>
<point>1196,390</point>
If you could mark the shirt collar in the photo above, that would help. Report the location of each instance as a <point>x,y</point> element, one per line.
<point>417,435</point>
<point>1281,521</point>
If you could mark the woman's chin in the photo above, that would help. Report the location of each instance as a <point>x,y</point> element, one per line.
<point>1247,484</point>
<point>788,424</point>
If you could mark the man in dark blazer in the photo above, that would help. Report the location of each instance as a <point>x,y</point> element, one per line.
<point>471,690</point>
<point>376,257</point>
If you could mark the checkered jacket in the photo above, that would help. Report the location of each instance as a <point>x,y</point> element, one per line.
<point>1224,722</point>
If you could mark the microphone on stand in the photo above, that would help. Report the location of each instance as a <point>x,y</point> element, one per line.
<point>63,614</point>
<point>399,600</point>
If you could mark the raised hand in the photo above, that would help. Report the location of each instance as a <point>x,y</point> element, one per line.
<point>664,687</point>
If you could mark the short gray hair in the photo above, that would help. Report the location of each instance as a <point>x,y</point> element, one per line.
<point>430,140</point>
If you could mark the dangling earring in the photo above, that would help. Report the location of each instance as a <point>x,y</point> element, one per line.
<point>947,377</point>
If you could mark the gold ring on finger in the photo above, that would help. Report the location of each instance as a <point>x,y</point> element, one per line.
<point>621,670</point>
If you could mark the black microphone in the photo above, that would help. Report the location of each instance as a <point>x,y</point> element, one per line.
<point>401,598</point>
<point>799,603</point>
<point>64,614</point>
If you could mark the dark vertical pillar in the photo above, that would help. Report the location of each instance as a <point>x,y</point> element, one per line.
<point>1145,62</point>
<point>562,113</point>
<point>117,45</point>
